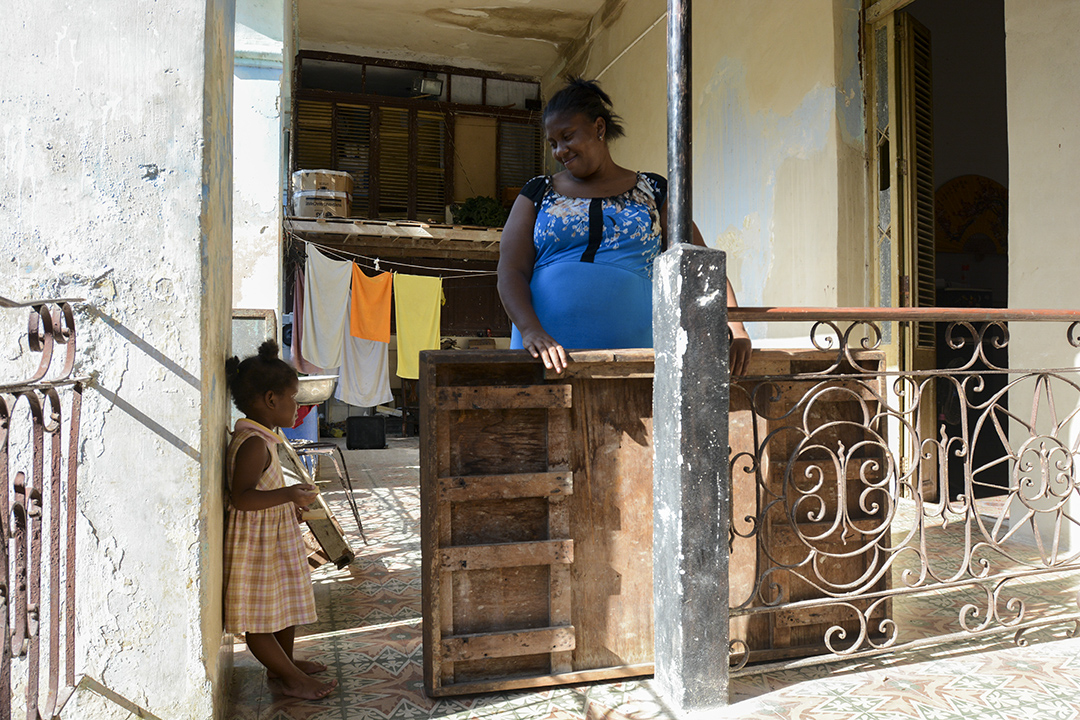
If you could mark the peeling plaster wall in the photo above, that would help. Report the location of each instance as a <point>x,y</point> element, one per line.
<point>779,178</point>
<point>116,186</point>
<point>1044,174</point>
<point>259,161</point>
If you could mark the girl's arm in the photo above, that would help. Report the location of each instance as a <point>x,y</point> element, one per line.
<point>516,258</point>
<point>252,459</point>
<point>740,339</point>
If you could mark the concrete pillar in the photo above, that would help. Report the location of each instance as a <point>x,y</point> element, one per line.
<point>116,158</point>
<point>691,478</point>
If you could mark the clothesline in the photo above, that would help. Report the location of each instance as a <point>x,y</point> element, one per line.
<point>375,263</point>
<point>341,323</point>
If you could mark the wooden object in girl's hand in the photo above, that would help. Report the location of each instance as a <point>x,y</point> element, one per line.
<point>322,524</point>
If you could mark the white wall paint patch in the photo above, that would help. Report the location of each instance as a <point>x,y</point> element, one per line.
<point>737,160</point>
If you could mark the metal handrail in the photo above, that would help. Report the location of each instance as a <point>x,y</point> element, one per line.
<point>912,314</point>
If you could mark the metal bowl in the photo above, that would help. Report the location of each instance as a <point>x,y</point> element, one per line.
<point>314,389</point>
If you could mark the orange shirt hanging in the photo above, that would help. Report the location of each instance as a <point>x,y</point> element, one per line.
<point>370,305</point>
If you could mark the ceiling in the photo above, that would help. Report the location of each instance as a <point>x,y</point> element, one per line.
<point>522,37</point>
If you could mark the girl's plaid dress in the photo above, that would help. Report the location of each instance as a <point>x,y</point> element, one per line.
<point>267,581</point>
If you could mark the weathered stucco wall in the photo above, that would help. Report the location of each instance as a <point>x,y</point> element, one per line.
<point>1044,174</point>
<point>779,178</point>
<point>259,162</point>
<point>116,185</point>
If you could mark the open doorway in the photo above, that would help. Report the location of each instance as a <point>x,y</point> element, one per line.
<point>939,171</point>
<point>970,180</point>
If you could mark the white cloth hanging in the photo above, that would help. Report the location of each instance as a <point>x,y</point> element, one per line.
<point>326,309</point>
<point>364,377</point>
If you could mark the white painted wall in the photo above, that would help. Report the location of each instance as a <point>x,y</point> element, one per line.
<point>1044,174</point>
<point>115,145</point>
<point>259,163</point>
<point>779,175</point>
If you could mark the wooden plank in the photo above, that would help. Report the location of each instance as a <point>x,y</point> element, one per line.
<point>502,398</point>
<point>490,522</point>
<point>503,555</point>
<point>559,583</point>
<point>358,228</point>
<point>611,521</point>
<point>505,644</point>
<point>518,485</point>
<point>599,371</point>
<point>434,453</point>
<point>844,537</point>
<point>558,440</point>
<point>832,614</point>
<point>559,580</point>
<point>497,442</point>
<point>499,600</point>
<point>614,672</point>
<point>881,8</point>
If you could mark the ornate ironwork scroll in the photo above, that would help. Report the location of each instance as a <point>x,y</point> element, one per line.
<point>39,440</point>
<point>884,509</point>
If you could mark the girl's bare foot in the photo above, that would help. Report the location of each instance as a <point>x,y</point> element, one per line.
<point>308,689</point>
<point>309,667</point>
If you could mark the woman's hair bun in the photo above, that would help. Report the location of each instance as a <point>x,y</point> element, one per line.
<point>269,350</point>
<point>585,97</point>
<point>589,86</point>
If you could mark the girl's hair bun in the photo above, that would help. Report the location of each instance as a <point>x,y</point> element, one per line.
<point>232,368</point>
<point>269,350</point>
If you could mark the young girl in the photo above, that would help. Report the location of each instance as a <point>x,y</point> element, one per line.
<point>267,582</point>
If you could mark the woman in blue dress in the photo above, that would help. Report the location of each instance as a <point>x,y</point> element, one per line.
<point>576,255</point>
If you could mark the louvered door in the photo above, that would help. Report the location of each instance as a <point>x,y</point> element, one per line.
<point>917,104</point>
<point>900,114</point>
<point>916,212</point>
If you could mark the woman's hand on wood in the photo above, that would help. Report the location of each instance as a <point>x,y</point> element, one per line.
<point>740,349</point>
<point>543,346</point>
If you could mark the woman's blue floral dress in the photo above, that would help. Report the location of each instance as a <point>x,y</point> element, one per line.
<point>592,277</point>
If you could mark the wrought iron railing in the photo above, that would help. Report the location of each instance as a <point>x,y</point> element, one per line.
<point>38,485</point>
<point>876,510</point>
<point>39,460</point>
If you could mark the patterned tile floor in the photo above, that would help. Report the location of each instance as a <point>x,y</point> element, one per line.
<point>369,634</point>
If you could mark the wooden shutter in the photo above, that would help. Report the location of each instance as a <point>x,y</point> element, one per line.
<point>430,166</point>
<point>314,135</point>
<point>920,116</point>
<point>352,150</point>
<point>519,154</point>
<point>393,162</point>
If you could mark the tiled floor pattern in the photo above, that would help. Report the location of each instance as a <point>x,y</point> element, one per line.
<point>369,634</point>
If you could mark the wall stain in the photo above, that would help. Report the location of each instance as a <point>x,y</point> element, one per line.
<point>552,26</point>
<point>574,55</point>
